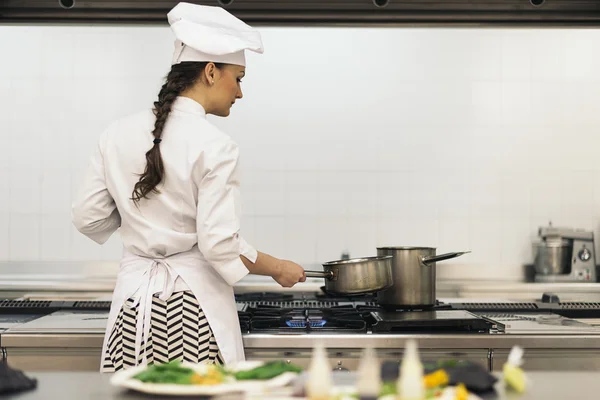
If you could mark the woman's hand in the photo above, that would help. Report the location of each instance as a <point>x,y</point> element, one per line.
<point>289,273</point>
<point>286,273</point>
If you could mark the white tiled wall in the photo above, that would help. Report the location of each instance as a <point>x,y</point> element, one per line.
<point>463,139</point>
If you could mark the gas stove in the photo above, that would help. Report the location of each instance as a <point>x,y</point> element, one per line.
<point>310,313</point>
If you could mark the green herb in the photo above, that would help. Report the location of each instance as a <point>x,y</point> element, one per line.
<point>267,371</point>
<point>388,388</point>
<point>432,393</point>
<point>171,372</point>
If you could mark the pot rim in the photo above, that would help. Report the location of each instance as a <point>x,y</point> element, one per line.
<point>406,248</point>
<point>356,260</point>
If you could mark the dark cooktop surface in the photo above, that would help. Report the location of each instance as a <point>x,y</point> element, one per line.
<point>438,321</point>
<point>300,313</point>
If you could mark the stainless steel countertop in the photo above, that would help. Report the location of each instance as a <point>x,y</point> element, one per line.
<point>334,341</point>
<point>93,385</point>
<point>449,341</point>
<point>79,386</point>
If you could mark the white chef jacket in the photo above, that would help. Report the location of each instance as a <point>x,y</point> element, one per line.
<point>186,237</point>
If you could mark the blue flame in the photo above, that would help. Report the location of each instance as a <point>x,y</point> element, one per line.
<point>294,323</point>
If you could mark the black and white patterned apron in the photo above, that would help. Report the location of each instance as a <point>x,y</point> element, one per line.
<point>178,331</point>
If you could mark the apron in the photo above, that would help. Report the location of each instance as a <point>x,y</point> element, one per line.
<point>137,277</point>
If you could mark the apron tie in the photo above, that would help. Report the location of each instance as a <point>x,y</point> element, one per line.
<point>143,299</point>
<point>215,296</point>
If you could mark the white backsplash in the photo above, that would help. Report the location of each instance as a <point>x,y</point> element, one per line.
<point>461,139</point>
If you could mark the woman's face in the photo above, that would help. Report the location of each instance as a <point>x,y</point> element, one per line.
<point>226,88</point>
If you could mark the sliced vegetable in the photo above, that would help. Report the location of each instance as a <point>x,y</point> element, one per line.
<point>514,377</point>
<point>461,392</point>
<point>437,378</point>
<point>213,376</point>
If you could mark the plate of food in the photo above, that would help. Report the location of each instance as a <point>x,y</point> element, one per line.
<point>186,379</point>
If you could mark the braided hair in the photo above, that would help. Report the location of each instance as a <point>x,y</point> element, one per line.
<point>181,77</point>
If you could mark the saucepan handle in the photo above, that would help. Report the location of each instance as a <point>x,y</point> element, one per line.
<point>319,274</point>
<point>441,257</point>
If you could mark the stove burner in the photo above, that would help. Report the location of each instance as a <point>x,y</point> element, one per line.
<point>341,319</point>
<point>306,324</point>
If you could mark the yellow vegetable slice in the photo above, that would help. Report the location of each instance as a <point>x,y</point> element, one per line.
<point>435,379</point>
<point>461,392</point>
<point>212,377</point>
<point>514,377</point>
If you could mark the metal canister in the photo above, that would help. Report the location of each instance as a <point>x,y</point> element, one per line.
<point>552,256</point>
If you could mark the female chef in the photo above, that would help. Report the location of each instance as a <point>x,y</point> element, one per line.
<point>169,180</point>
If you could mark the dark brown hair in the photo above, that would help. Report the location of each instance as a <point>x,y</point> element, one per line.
<point>181,77</point>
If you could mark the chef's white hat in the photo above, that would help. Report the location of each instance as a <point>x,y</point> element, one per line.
<point>206,33</point>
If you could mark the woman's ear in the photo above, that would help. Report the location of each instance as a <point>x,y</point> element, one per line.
<point>210,73</point>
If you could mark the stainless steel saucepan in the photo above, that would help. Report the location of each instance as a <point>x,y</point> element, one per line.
<point>356,276</point>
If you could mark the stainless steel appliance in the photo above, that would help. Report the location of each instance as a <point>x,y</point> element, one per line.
<point>413,272</point>
<point>564,255</point>
<point>287,325</point>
